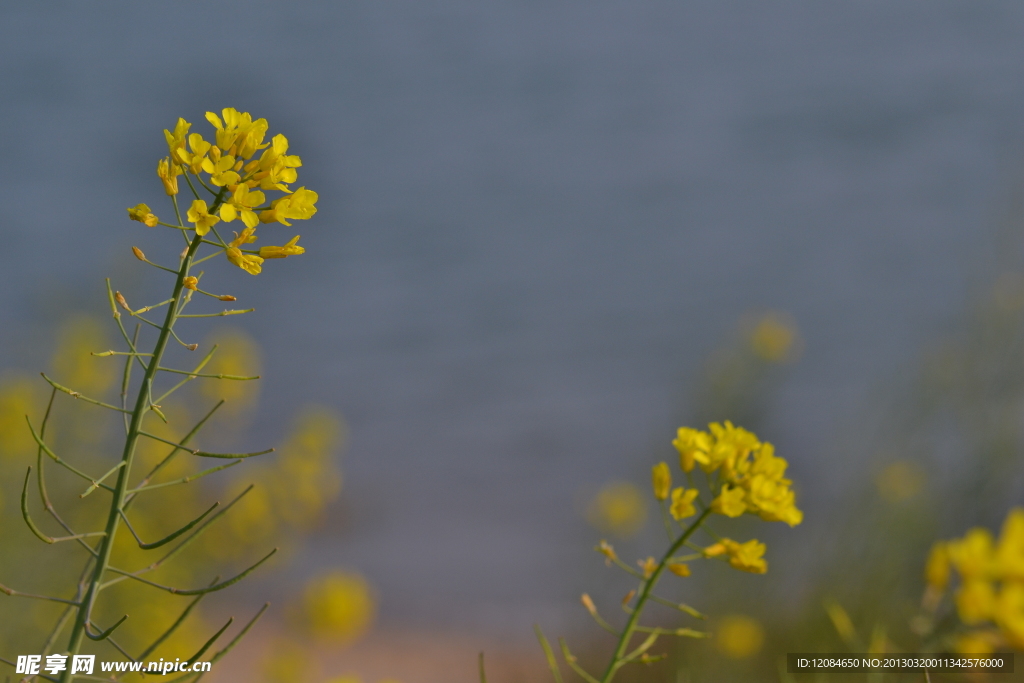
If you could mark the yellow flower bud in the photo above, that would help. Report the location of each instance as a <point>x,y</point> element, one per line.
<point>227,297</point>
<point>679,568</point>
<point>608,551</point>
<point>190,283</point>
<point>138,254</point>
<point>589,604</point>
<point>121,301</point>
<point>661,480</point>
<point>168,174</point>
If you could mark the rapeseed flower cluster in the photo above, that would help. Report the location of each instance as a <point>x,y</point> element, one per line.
<point>237,181</point>
<point>750,477</point>
<point>990,595</point>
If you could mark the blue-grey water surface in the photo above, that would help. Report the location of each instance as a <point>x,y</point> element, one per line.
<point>535,220</point>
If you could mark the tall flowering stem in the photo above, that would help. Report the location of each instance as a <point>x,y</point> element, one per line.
<point>235,181</point>
<point>742,476</point>
<point>619,658</point>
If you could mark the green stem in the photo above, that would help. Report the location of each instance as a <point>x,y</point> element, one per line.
<point>102,560</point>
<point>645,594</point>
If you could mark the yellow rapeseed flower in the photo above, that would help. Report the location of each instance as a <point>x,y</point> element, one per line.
<point>1009,613</point>
<point>296,206</point>
<point>176,141</point>
<point>747,556</point>
<point>973,555</point>
<point>241,203</point>
<point>289,249</point>
<point>682,503</point>
<point>729,502</point>
<point>1010,550</point>
<point>975,601</point>
<point>200,215</point>
<point>689,442</point>
<point>143,214</point>
<point>221,169</point>
<point>661,480</point>
<point>237,133</point>
<point>275,167</point>
<point>190,282</point>
<point>250,263</point>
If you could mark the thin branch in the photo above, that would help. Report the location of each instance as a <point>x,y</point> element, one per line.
<point>571,661</point>
<point>548,654</point>
<point>75,394</point>
<point>211,641</point>
<point>204,454</point>
<point>202,363</point>
<point>46,449</point>
<point>679,606</point>
<point>180,446</point>
<point>10,591</point>
<point>103,635</point>
<point>196,374</point>
<point>183,480</point>
<point>169,538</point>
<point>196,591</point>
<point>216,315</point>
<point>167,634</point>
<point>96,484</point>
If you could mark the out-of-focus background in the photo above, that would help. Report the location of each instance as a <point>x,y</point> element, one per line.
<point>548,236</point>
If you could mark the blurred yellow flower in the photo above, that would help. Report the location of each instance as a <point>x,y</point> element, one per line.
<point>899,481</point>
<point>682,503</point>
<point>19,397</point>
<point>746,557</point>
<point>73,365</point>
<point>1010,550</point>
<point>619,508</point>
<point>739,636</point>
<point>773,338</point>
<point>936,569</point>
<point>689,442</point>
<point>661,480</point>
<point>729,502</point>
<point>338,605</point>
<point>237,354</point>
<point>287,662</point>
<point>973,555</point>
<point>679,568</point>
<point>975,601</point>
